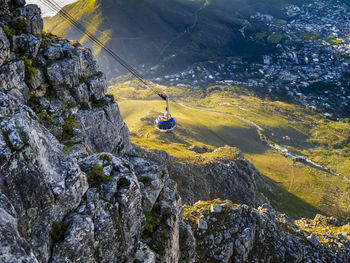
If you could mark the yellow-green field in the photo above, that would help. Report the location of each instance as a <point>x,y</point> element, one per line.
<point>300,191</point>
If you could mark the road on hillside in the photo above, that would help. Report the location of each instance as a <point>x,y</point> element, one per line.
<point>195,21</point>
<point>277,147</point>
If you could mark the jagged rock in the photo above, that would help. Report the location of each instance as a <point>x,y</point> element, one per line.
<point>227,175</point>
<point>38,176</point>
<point>243,234</point>
<point>4,47</point>
<point>26,44</point>
<point>152,179</point>
<point>12,75</point>
<point>202,224</point>
<point>145,255</point>
<point>97,86</point>
<point>80,93</point>
<point>109,219</point>
<point>162,224</point>
<point>13,247</point>
<point>64,73</point>
<point>111,134</point>
<point>78,243</point>
<point>33,16</point>
<point>200,149</point>
<point>54,51</point>
<point>187,243</point>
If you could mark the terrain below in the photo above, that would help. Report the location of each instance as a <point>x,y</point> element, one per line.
<point>233,117</point>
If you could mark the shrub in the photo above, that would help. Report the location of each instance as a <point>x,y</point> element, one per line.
<point>31,72</point>
<point>96,177</point>
<point>68,128</point>
<point>20,24</point>
<point>8,32</point>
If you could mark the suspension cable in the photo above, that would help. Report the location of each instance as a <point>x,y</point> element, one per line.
<point>51,4</point>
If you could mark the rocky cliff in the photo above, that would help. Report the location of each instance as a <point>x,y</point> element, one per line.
<point>66,192</point>
<point>227,232</point>
<point>72,189</point>
<point>223,173</point>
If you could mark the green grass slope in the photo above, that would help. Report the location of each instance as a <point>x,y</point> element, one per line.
<point>299,190</point>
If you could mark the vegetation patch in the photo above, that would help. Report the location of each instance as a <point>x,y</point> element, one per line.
<point>68,129</point>
<point>275,38</point>
<point>96,177</point>
<point>98,104</point>
<point>31,72</point>
<point>5,135</point>
<point>58,231</point>
<point>20,23</point>
<point>310,35</point>
<point>281,21</point>
<point>334,41</point>
<point>106,159</point>
<point>8,32</point>
<point>156,241</point>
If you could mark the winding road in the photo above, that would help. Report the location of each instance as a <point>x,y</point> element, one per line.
<point>182,33</point>
<point>277,147</point>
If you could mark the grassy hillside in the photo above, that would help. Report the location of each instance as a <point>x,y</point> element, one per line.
<point>151,32</point>
<point>298,190</point>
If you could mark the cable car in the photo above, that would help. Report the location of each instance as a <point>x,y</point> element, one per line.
<point>165,122</point>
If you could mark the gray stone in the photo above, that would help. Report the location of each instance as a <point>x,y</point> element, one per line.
<point>33,14</point>
<point>12,75</point>
<point>202,224</point>
<point>13,247</point>
<point>97,86</point>
<point>80,93</point>
<point>4,47</point>
<point>78,244</point>
<point>313,240</point>
<point>153,179</point>
<point>48,180</point>
<point>53,51</point>
<point>110,135</point>
<point>64,73</point>
<point>215,209</point>
<point>27,45</point>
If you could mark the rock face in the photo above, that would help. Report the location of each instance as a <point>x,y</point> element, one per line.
<point>228,175</point>
<point>68,190</point>
<point>238,233</point>
<point>72,188</point>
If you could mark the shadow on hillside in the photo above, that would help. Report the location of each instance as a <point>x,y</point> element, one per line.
<point>285,202</point>
<point>246,139</point>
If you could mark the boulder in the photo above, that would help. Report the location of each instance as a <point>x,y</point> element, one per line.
<point>27,45</point>
<point>33,15</point>
<point>12,75</point>
<point>64,73</point>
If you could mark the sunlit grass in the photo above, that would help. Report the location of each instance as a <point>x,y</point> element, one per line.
<point>297,190</point>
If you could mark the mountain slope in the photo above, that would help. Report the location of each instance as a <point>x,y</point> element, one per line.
<point>173,33</point>
<point>71,187</point>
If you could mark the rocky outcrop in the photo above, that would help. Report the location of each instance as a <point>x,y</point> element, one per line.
<point>225,174</point>
<point>68,191</point>
<point>227,232</point>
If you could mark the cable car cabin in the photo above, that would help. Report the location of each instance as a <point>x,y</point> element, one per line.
<point>165,124</point>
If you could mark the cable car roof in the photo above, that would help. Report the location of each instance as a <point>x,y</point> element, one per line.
<point>171,120</point>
